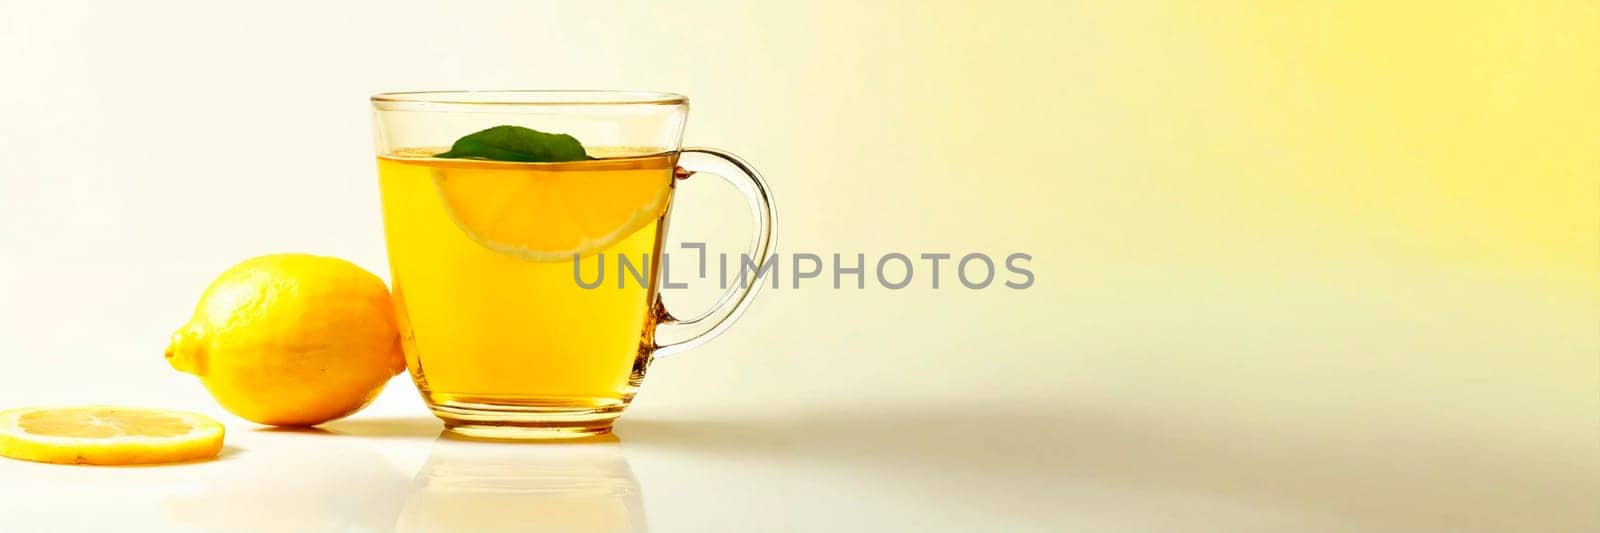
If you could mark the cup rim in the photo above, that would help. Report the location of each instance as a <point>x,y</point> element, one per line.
<point>528,97</point>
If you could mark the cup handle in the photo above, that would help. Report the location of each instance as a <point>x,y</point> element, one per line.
<point>701,328</point>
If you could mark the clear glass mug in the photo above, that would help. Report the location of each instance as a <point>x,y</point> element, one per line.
<point>493,263</point>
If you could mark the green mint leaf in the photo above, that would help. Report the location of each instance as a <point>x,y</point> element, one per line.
<point>519,144</point>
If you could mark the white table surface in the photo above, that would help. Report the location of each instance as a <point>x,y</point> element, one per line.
<point>1131,432</point>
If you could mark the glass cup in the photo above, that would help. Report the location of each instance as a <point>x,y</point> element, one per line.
<point>526,292</point>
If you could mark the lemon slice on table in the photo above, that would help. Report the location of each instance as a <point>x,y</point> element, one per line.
<point>107,435</point>
<point>549,214</point>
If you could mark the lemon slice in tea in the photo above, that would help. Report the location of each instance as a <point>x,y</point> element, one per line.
<point>548,212</point>
<point>107,435</point>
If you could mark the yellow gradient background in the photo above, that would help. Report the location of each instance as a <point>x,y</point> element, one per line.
<point>1365,234</point>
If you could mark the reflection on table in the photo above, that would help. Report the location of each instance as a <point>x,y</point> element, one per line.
<point>575,486</point>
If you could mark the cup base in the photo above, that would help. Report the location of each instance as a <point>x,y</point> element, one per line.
<point>515,432</point>
<point>526,422</point>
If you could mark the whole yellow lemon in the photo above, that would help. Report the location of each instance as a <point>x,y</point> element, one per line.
<point>291,339</point>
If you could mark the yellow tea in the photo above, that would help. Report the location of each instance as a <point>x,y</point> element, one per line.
<point>493,318</point>
<point>525,254</point>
